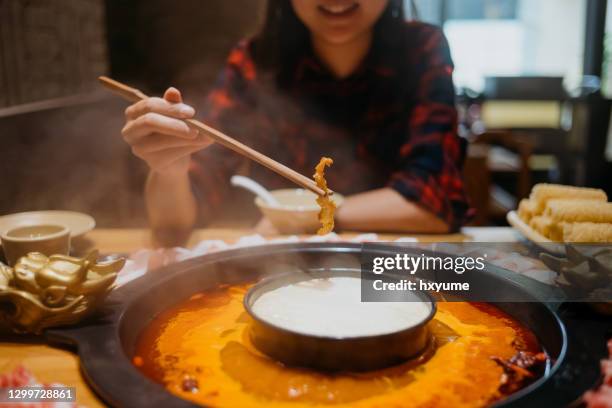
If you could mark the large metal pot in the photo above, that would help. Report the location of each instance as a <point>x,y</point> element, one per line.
<point>106,344</point>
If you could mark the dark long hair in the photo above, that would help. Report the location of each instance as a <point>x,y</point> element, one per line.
<point>283,38</point>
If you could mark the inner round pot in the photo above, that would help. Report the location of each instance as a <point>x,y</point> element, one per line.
<point>354,353</point>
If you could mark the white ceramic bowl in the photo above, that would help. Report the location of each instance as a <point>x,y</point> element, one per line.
<point>297,212</point>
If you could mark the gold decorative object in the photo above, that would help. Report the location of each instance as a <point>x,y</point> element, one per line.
<point>40,291</point>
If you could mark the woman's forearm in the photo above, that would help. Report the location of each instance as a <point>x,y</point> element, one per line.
<point>171,207</point>
<point>386,210</point>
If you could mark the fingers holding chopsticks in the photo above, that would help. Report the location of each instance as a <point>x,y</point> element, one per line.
<point>177,110</point>
<point>157,133</point>
<point>151,123</point>
<point>160,117</point>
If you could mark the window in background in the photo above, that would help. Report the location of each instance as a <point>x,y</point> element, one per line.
<point>607,74</point>
<point>607,60</point>
<point>481,9</point>
<point>511,38</point>
<point>430,11</point>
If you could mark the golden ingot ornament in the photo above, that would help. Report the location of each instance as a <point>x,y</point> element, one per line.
<point>41,292</point>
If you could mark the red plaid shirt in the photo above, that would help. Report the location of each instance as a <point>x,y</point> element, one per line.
<point>379,130</point>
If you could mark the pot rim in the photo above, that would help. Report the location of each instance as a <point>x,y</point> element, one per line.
<point>99,341</point>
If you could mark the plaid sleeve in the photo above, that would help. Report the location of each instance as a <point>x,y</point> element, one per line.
<point>226,108</point>
<point>430,160</point>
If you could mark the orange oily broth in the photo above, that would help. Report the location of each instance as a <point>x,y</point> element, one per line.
<point>205,338</point>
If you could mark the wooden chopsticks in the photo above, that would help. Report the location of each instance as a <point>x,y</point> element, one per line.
<point>134,95</point>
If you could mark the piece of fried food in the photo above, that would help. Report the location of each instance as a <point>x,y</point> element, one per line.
<point>543,192</point>
<point>546,227</point>
<point>328,207</point>
<point>587,232</point>
<point>568,210</point>
<point>526,209</point>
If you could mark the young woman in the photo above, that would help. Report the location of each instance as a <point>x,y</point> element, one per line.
<point>348,79</point>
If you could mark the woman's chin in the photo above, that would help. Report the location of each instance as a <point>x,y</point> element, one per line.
<point>339,36</point>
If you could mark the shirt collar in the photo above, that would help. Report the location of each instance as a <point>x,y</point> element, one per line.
<point>376,62</point>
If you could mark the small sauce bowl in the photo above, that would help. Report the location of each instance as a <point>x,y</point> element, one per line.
<point>297,210</point>
<point>47,239</point>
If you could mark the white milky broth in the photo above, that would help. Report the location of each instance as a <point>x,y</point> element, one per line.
<point>332,307</point>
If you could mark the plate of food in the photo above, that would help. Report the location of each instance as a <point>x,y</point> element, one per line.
<point>555,214</point>
<point>533,235</point>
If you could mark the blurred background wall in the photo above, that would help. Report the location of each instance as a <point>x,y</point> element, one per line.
<point>60,133</point>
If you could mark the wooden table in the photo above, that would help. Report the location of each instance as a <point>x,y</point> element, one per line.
<point>50,364</point>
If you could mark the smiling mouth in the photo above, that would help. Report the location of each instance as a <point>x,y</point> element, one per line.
<point>338,10</point>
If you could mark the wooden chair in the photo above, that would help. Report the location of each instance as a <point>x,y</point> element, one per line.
<point>492,153</point>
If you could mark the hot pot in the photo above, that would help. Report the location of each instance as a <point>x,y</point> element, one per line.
<point>106,343</point>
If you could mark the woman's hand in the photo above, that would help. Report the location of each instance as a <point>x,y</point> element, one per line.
<point>157,135</point>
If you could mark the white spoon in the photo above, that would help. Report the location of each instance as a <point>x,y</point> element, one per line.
<point>255,188</point>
